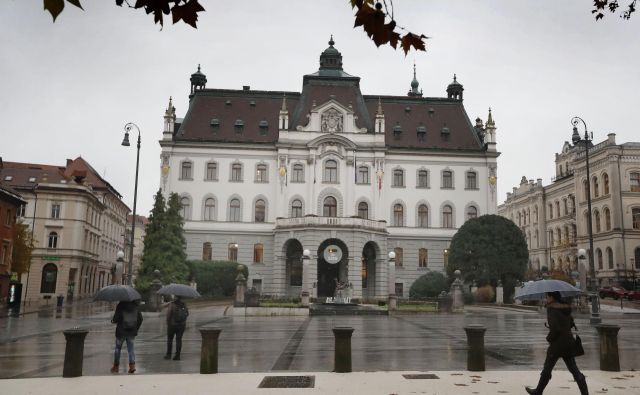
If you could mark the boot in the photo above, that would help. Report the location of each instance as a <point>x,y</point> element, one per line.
<point>542,384</point>
<point>167,356</point>
<point>531,391</point>
<point>132,367</point>
<point>582,384</point>
<point>115,368</point>
<point>176,357</point>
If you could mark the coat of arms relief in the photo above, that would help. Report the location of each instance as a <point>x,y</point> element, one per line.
<point>331,121</point>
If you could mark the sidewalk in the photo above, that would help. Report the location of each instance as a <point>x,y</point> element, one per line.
<point>383,383</point>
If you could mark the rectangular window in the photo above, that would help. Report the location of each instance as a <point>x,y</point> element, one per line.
<point>298,173</point>
<point>398,178</point>
<point>423,179</point>
<point>186,171</point>
<point>21,210</point>
<point>423,257</point>
<point>635,182</point>
<point>471,181</point>
<point>257,285</point>
<point>447,179</point>
<point>258,253</point>
<point>399,254</point>
<point>636,218</point>
<point>233,252</point>
<point>7,220</point>
<point>363,175</point>
<point>261,173</point>
<point>399,289</point>
<point>212,171</point>
<point>236,172</point>
<point>55,210</point>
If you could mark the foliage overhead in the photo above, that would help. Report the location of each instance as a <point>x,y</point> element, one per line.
<point>601,6</point>
<point>164,244</point>
<point>428,286</point>
<point>487,249</point>
<point>22,248</point>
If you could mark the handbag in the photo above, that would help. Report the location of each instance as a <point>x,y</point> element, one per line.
<point>578,350</point>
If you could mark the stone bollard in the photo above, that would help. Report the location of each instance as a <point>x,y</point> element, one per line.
<point>154,298</point>
<point>74,352</point>
<point>342,358</point>
<point>304,299</point>
<point>393,302</point>
<point>209,350</point>
<point>475,350</point>
<point>241,288</point>
<point>609,357</point>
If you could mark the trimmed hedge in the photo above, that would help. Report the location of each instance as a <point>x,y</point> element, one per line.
<point>428,286</point>
<point>216,278</point>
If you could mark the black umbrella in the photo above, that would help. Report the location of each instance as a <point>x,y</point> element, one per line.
<point>182,290</point>
<point>117,293</point>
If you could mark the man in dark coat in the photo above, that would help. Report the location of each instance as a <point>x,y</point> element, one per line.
<point>176,323</point>
<point>561,344</point>
<point>128,319</point>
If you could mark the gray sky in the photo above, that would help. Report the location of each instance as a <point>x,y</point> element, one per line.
<point>67,89</point>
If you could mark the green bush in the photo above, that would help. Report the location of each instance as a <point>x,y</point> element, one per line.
<point>485,294</point>
<point>216,278</point>
<point>428,286</point>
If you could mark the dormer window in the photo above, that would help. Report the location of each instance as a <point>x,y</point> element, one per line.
<point>238,127</point>
<point>8,178</point>
<point>252,103</point>
<point>32,179</point>
<point>264,127</point>
<point>397,131</point>
<point>445,134</point>
<point>227,103</point>
<point>215,125</point>
<point>421,132</point>
<point>407,109</point>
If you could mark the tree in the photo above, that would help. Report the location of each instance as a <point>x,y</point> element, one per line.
<point>428,285</point>
<point>22,248</point>
<point>489,249</point>
<point>164,244</point>
<point>601,6</point>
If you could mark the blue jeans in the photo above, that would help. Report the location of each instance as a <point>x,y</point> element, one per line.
<point>130,350</point>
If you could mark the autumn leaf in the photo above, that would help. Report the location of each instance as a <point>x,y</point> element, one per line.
<point>55,7</point>
<point>371,20</point>
<point>188,12</point>
<point>359,3</point>
<point>413,40</point>
<point>76,3</point>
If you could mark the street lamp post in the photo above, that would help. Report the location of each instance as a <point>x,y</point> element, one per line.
<point>125,142</point>
<point>586,140</point>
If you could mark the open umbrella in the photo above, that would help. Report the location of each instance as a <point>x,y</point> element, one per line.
<point>182,290</point>
<point>536,290</point>
<point>117,293</point>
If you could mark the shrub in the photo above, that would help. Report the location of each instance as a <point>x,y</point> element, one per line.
<point>484,294</point>
<point>428,286</point>
<point>216,278</point>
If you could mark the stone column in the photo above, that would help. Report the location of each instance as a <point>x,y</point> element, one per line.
<point>304,295</point>
<point>342,356</point>
<point>209,350</point>
<point>74,352</point>
<point>499,293</point>
<point>392,273</point>
<point>154,298</point>
<point>609,357</point>
<point>475,350</point>
<point>457,303</point>
<point>241,288</point>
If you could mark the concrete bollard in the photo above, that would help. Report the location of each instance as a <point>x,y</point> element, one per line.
<point>475,350</point>
<point>393,302</point>
<point>304,299</point>
<point>609,357</point>
<point>74,352</point>
<point>209,350</point>
<point>342,358</point>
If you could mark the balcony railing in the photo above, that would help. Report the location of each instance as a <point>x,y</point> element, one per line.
<point>340,222</point>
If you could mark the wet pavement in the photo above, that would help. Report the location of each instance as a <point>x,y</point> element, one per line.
<point>33,345</point>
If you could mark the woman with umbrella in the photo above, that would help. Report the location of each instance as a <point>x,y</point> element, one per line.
<point>177,315</point>
<point>561,341</point>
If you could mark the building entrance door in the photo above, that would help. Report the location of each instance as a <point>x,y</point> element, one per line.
<point>332,266</point>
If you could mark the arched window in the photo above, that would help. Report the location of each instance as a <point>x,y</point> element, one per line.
<point>233,252</point>
<point>605,182</point>
<point>607,218</point>
<point>236,172</point>
<point>597,217</point>
<point>423,257</point>
<point>298,173</point>
<point>398,178</point>
<point>472,212</point>
<point>185,210</point>
<point>550,211</point>
<point>261,173</point>
<point>398,215</point>
<point>185,173</point>
<point>53,240</point>
<point>212,171</point>
<point>447,179</point>
<point>599,255</point>
<point>296,208</point>
<point>209,209</point>
<point>331,171</point>
<point>423,179</point>
<point>49,277</point>
<point>472,180</point>
<point>447,217</point>
<point>260,211</point>
<point>609,258</point>
<point>206,251</point>
<point>363,175</point>
<point>330,207</point>
<point>258,253</point>
<point>596,190</point>
<point>566,206</point>
<point>234,210</point>
<point>363,210</point>
<point>399,256</point>
<point>557,209</point>
<point>423,216</point>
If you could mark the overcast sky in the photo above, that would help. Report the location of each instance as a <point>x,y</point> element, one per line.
<point>67,89</point>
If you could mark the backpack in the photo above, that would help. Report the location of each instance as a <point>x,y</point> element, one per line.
<point>180,314</point>
<point>130,319</point>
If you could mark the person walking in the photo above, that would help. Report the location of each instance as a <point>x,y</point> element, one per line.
<point>561,344</point>
<point>176,323</point>
<point>128,319</point>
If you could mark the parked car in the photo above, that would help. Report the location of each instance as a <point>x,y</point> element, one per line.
<point>613,292</point>
<point>633,295</point>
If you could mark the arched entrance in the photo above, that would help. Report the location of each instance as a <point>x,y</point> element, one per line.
<point>369,255</point>
<point>333,258</point>
<point>293,258</point>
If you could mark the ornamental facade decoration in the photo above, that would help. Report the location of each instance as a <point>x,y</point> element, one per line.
<point>331,121</point>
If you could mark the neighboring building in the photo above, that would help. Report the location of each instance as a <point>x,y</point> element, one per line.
<point>554,218</point>
<point>138,243</point>
<point>264,175</point>
<point>77,219</point>
<point>10,205</point>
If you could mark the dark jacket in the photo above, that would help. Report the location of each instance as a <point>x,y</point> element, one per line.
<point>560,338</point>
<point>129,307</point>
<point>173,306</point>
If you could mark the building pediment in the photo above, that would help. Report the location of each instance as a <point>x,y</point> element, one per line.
<point>332,144</point>
<point>331,117</point>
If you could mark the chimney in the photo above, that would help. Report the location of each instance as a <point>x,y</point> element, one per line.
<point>69,162</point>
<point>246,87</point>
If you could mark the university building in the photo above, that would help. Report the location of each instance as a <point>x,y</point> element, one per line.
<point>554,218</point>
<point>77,220</point>
<point>264,175</point>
